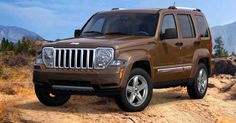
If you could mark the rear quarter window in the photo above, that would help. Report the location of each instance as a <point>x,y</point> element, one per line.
<point>202,26</point>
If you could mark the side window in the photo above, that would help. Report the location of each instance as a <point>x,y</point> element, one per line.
<point>98,25</point>
<point>186,26</point>
<point>202,26</point>
<point>169,24</point>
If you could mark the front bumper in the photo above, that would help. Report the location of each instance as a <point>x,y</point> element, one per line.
<point>87,82</point>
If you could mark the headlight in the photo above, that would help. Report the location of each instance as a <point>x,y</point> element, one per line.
<point>103,57</point>
<point>48,56</point>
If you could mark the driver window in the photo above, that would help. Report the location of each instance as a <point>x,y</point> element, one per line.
<point>168,23</point>
<point>98,25</point>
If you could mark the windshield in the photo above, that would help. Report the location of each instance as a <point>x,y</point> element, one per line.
<point>143,24</point>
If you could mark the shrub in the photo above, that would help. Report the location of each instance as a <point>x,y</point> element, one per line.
<point>1,71</point>
<point>15,60</point>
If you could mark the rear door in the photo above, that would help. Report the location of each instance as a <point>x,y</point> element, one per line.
<point>189,43</point>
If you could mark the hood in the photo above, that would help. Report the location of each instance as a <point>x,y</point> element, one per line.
<point>115,41</point>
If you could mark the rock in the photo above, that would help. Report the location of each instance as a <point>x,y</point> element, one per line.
<point>232,91</point>
<point>227,87</point>
<point>225,66</point>
<point>219,82</point>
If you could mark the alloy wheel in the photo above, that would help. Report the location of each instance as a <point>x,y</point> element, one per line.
<point>137,90</point>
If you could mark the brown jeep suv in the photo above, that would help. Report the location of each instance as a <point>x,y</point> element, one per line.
<point>125,54</point>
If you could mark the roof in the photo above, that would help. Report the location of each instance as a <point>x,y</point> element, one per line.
<point>150,11</point>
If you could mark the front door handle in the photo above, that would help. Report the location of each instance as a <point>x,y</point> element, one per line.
<point>179,44</point>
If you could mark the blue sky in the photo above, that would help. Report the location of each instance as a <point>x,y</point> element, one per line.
<point>56,19</point>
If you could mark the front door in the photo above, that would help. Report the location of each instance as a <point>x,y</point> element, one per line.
<point>168,51</point>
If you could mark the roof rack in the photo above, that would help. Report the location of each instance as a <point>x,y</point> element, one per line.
<point>118,8</point>
<point>186,8</point>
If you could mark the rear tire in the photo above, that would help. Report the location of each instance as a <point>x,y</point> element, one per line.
<point>198,87</point>
<point>49,98</point>
<point>138,92</point>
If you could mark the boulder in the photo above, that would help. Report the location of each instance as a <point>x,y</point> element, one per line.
<point>225,65</point>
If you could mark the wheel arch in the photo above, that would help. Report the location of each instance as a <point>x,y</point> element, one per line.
<point>136,59</point>
<point>201,56</point>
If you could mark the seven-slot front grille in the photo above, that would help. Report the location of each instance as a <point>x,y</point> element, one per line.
<point>78,58</point>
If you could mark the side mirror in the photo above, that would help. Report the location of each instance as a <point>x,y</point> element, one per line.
<point>169,34</point>
<point>77,33</point>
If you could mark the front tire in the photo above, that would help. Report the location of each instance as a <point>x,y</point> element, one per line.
<point>198,88</point>
<point>49,98</point>
<point>137,93</point>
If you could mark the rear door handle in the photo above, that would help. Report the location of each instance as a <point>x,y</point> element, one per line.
<point>197,44</point>
<point>179,44</point>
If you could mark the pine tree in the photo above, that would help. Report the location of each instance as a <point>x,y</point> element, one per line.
<point>233,53</point>
<point>9,45</point>
<point>3,43</point>
<point>219,48</point>
<point>6,45</point>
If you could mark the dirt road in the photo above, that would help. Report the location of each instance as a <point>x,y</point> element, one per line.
<point>167,105</point>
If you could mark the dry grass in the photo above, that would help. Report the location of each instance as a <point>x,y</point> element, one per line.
<point>224,119</point>
<point>16,88</point>
<point>8,114</point>
<point>15,68</point>
<point>9,94</point>
<point>7,90</point>
<point>16,74</point>
<point>1,110</point>
<point>15,81</point>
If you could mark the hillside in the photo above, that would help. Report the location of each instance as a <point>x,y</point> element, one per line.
<point>228,34</point>
<point>13,33</point>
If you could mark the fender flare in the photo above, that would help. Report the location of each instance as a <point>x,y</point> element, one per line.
<point>199,54</point>
<point>131,57</point>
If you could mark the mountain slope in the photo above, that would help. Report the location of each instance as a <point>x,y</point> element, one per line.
<point>228,34</point>
<point>13,33</point>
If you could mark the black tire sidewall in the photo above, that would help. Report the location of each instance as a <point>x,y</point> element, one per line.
<point>122,101</point>
<point>193,88</point>
<point>42,94</point>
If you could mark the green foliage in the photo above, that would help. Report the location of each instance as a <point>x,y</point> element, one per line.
<point>219,48</point>
<point>25,46</point>
<point>6,45</point>
<point>233,53</point>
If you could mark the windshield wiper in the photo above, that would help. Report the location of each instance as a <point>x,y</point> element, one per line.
<point>94,32</point>
<point>116,33</point>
